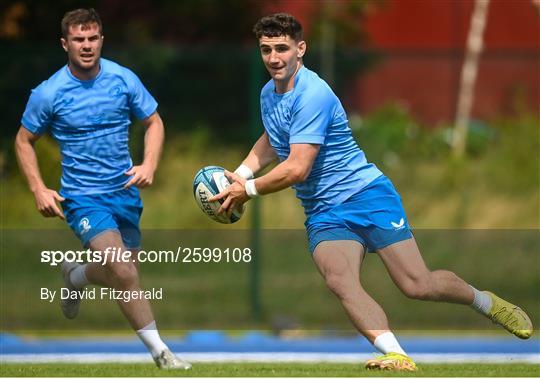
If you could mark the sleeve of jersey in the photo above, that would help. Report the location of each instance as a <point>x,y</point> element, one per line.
<point>38,113</point>
<point>141,102</point>
<point>311,116</point>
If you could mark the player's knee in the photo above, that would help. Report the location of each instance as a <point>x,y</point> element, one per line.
<point>124,275</point>
<point>338,284</point>
<point>418,288</point>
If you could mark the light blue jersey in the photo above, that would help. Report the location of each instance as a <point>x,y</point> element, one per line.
<point>312,113</point>
<point>90,120</point>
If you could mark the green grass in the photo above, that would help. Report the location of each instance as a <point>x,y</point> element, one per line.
<point>268,370</point>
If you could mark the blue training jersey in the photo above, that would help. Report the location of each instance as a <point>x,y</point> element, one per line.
<point>90,120</point>
<point>311,113</point>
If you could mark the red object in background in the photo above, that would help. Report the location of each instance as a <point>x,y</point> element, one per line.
<point>444,24</point>
<point>422,43</point>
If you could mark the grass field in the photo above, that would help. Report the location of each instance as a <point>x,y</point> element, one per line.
<point>267,370</point>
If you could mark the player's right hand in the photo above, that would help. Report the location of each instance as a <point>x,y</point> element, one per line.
<point>46,203</point>
<point>235,195</point>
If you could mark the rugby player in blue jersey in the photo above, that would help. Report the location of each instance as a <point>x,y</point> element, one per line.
<point>350,206</point>
<point>87,106</point>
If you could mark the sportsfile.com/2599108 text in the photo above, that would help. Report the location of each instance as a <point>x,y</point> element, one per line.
<point>181,255</point>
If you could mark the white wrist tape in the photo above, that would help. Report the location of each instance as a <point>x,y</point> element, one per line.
<point>251,190</point>
<point>244,171</point>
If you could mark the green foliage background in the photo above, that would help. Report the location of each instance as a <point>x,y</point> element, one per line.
<point>206,82</point>
<point>477,216</point>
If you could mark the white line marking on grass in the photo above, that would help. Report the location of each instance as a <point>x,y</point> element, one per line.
<point>265,357</point>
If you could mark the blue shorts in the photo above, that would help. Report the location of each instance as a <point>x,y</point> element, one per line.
<point>90,215</point>
<point>374,217</point>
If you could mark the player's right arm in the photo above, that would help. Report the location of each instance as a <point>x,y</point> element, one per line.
<point>46,198</point>
<point>260,156</point>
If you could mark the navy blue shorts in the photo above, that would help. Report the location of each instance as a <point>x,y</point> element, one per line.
<point>91,215</point>
<point>374,217</point>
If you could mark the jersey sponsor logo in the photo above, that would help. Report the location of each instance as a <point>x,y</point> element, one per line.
<point>84,226</point>
<point>399,225</point>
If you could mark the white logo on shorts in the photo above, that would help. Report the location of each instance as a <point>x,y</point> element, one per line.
<point>400,225</point>
<point>84,226</point>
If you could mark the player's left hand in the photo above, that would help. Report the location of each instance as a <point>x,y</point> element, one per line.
<point>235,195</point>
<point>141,176</point>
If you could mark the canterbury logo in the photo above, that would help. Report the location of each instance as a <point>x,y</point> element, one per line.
<point>399,225</point>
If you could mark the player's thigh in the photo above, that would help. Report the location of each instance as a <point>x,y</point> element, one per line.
<point>404,261</point>
<point>127,207</point>
<point>136,257</point>
<point>112,249</point>
<point>339,258</point>
<point>118,261</point>
<point>107,241</point>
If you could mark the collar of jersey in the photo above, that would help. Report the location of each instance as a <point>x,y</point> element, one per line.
<point>70,74</point>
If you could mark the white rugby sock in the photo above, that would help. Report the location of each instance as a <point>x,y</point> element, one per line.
<point>78,278</point>
<point>387,343</point>
<point>150,337</point>
<point>482,301</point>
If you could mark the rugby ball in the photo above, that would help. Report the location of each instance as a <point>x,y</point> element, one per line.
<point>208,182</point>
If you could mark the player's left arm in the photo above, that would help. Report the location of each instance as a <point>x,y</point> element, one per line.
<point>143,175</point>
<point>295,169</point>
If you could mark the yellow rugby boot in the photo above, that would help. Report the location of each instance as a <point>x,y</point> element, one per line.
<point>510,316</point>
<point>393,362</point>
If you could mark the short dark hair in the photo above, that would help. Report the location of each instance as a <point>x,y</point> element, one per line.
<point>279,24</point>
<point>80,17</point>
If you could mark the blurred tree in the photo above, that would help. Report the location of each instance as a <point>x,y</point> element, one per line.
<point>338,24</point>
<point>10,27</point>
<point>345,17</point>
<point>136,21</point>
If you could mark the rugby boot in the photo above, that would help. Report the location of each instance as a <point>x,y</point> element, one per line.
<point>510,316</point>
<point>392,362</point>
